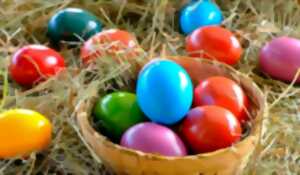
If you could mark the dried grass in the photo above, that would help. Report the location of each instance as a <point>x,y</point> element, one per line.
<point>156,27</point>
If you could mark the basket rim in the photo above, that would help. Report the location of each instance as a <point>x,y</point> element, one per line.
<point>82,118</point>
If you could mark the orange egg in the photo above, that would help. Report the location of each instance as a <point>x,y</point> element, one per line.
<point>23,131</point>
<point>112,42</point>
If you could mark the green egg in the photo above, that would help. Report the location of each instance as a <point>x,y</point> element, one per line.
<point>116,112</point>
<point>72,24</point>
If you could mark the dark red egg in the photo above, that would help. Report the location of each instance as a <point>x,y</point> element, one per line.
<point>224,92</point>
<point>209,128</point>
<point>214,42</point>
<point>34,63</point>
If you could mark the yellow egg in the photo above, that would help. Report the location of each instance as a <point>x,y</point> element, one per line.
<point>23,131</point>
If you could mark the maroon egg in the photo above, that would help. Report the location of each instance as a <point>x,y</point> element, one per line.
<point>209,128</point>
<point>153,138</point>
<point>34,63</point>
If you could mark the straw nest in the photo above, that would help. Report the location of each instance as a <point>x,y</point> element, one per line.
<point>155,25</point>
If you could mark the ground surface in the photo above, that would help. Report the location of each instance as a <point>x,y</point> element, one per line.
<point>155,25</point>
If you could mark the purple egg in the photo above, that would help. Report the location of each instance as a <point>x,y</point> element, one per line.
<point>280,58</point>
<point>153,138</point>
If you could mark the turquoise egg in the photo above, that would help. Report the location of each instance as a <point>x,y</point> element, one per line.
<point>164,91</point>
<point>198,14</point>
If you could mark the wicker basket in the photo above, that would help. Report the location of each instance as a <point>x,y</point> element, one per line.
<point>225,161</point>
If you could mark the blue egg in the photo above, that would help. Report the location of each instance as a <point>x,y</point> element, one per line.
<point>164,91</point>
<point>198,14</point>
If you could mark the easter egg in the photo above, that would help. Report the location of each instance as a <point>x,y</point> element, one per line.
<point>23,131</point>
<point>224,92</point>
<point>280,58</point>
<point>116,112</point>
<point>109,42</point>
<point>164,91</point>
<point>209,128</point>
<point>72,24</point>
<point>34,63</point>
<point>214,42</point>
<point>153,138</point>
<point>199,14</point>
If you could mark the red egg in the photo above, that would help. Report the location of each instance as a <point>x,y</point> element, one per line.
<point>209,128</point>
<point>214,42</point>
<point>34,63</point>
<point>109,42</point>
<point>224,92</point>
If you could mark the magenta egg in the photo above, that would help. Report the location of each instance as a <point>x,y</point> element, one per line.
<point>153,138</point>
<point>280,58</point>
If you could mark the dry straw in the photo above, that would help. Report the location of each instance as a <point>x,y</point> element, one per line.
<point>155,24</point>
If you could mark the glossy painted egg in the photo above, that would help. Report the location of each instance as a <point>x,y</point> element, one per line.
<point>153,138</point>
<point>109,42</point>
<point>209,128</point>
<point>164,91</point>
<point>23,131</point>
<point>280,58</point>
<point>224,92</point>
<point>73,24</point>
<point>34,63</point>
<point>214,42</point>
<point>116,112</point>
<point>199,14</point>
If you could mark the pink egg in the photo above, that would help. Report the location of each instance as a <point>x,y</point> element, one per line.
<point>280,58</point>
<point>153,138</point>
